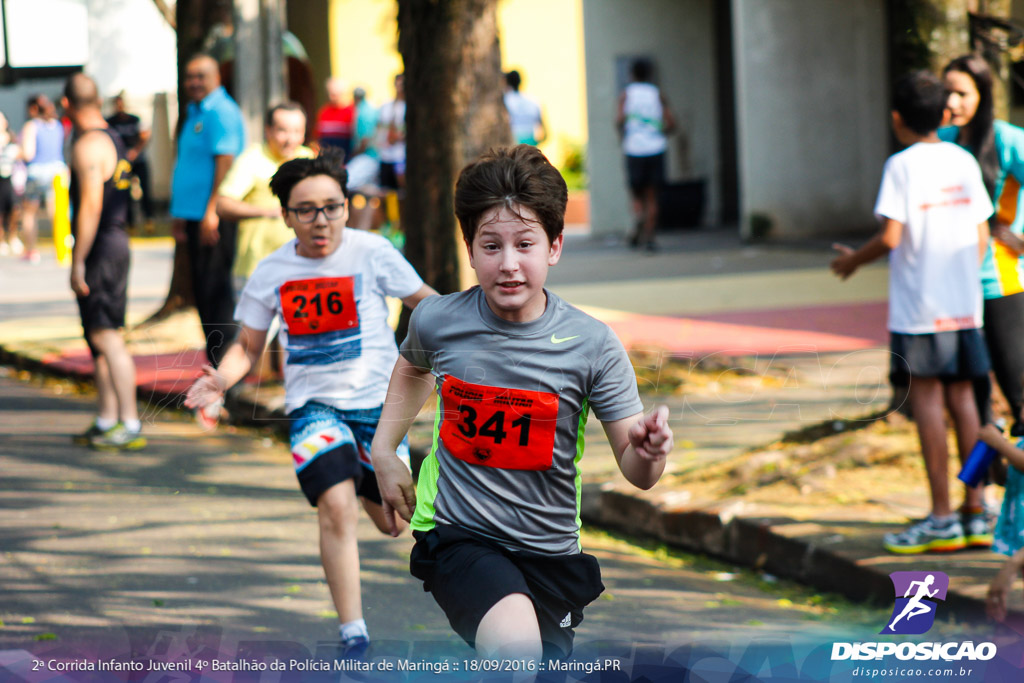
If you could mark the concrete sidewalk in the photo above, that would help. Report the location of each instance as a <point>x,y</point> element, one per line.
<point>744,344</point>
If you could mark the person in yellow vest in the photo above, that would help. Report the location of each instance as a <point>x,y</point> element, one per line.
<point>244,195</point>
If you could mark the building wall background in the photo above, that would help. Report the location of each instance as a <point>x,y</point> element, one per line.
<point>678,36</point>
<point>811,108</point>
<point>130,48</point>
<point>541,39</point>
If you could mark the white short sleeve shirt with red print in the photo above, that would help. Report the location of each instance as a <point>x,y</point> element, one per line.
<point>935,190</point>
<point>339,349</point>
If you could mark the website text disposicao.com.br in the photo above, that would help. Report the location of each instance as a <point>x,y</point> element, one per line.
<point>908,660</point>
<point>903,672</point>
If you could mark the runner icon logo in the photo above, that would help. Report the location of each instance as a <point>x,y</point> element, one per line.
<point>917,596</point>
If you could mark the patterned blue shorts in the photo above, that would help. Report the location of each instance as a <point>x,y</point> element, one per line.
<point>330,446</point>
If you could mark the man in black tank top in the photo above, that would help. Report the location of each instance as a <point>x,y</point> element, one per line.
<point>100,187</point>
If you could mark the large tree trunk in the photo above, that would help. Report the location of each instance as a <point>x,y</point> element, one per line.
<point>193,20</point>
<point>990,44</point>
<point>454,111</point>
<point>928,34</point>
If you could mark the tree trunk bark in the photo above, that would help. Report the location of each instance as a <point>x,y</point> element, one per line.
<point>996,56</point>
<point>454,111</point>
<point>193,20</point>
<point>926,34</point>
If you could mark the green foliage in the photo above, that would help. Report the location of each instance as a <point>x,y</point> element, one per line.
<point>574,167</point>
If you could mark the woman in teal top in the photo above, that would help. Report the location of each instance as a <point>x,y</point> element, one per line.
<point>999,148</point>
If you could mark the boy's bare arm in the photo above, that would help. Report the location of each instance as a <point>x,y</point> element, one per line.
<point>231,209</point>
<point>668,120</point>
<point>1002,233</point>
<point>994,438</point>
<point>87,159</point>
<point>983,236</point>
<point>240,357</point>
<point>849,260</point>
<point>419,295</point>
<point>408,390</point>
<point>999,589</point>
<point>620,115</point>
<point>641,444</point>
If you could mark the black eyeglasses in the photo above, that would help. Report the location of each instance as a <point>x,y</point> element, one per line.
<point>308,214</point>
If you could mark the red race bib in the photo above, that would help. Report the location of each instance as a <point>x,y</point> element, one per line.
<point>323,304</point>
<point>510,429</point>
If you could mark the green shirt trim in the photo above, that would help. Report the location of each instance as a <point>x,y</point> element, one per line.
<point>426,486</point>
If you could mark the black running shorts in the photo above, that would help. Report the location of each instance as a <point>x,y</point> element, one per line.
<point>953,356</point>
<point>468,575</point>
<point>106,274</point>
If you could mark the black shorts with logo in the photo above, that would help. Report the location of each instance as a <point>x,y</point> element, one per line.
<point>468,575</point>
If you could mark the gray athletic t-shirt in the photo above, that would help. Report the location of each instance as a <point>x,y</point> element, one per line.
<point>513,400</point>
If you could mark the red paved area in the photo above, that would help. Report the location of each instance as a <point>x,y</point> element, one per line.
<point>170,373</point>
<point>817,329</point>
<point>864,320</point>
<point>765,332</point>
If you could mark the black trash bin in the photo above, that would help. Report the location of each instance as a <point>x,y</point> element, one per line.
<point>682,204</point>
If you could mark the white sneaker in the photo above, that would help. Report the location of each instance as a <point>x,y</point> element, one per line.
<point>977,529</point>
<point>16,246</point>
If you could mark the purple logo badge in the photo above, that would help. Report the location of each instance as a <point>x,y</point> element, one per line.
<point>917,596</point>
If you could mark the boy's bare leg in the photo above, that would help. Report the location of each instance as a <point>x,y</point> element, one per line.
<point>510,630</point>
<point>29,210</point>
<point>106,397</point>
<point>121,369</point>
<point>338,514</point>
<point>650,213</point>
<point>926,402</point>
<point>964,411</point>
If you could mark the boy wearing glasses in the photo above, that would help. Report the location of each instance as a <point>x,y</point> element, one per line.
<point>328,286</point>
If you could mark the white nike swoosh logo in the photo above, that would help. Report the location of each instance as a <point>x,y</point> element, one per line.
<point>556,340</point>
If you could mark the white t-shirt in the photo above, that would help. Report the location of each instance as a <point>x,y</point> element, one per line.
<point>523,117</point>
<point>391,114</point>
<point>643,133</point>
<point>935,190</point>
<point>339,349</point>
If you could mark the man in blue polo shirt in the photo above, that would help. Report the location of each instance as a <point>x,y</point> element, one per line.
<point>210,138</point>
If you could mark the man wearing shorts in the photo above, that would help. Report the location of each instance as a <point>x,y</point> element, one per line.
<point>643,120</point>
<point>328,286</point>
<point>100,196</point>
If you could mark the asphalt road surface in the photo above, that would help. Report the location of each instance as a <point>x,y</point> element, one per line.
<point>203,532</point>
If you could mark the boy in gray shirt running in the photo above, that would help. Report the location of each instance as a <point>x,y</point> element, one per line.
<point>516,371</point>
